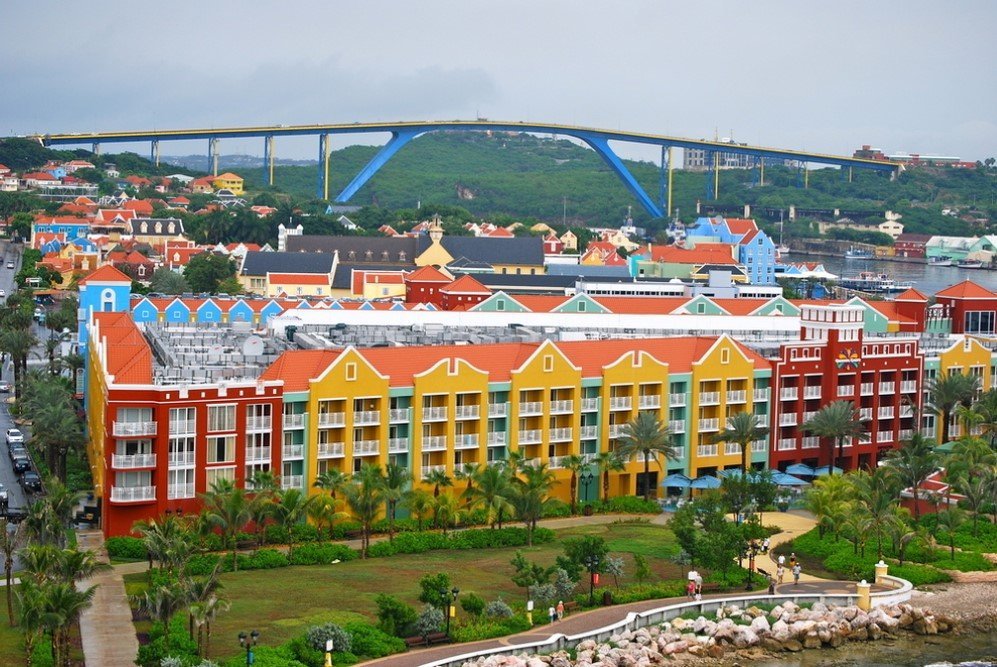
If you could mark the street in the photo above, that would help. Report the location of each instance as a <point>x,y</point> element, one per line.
<point>7,476</point>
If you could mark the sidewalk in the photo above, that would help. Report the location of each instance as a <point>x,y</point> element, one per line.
<point>106,626</point>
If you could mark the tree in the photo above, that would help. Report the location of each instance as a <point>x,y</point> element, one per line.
<point>530,496</point>
<point>365,497</point>
<point>648,436</point>
<point>166,281</point>
<point>736,493</point>
<point>420,503</point>
<point>205,271</point>
<point>161,603</point>
<point>608,462</point>
<point>947,392</point>
<point>913,463</point>
<point>529,575</point>
<point>435,589</point>
<point>876,494</point>
<point>491,492</point>
<point>228,509</point>
<point>446,511</point>
<point>838,421</point>
<point>291,507</point>
<point>167,542</point>
<point>575,464</point>
<point>743,428</point>
<point>30,616</point>
<point>438,478</point>
<point>986,407</point>
<point>393,487</point>
<point>11,538</point>
<point>332,481</point>
<point>949,520</point>
<point>579,551</point>
<point>976,488</point>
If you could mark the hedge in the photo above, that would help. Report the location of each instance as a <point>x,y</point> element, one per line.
<point>131,548</point>
<point>487,628</point>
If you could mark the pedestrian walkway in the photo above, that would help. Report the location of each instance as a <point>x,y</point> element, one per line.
<point>106,626</point>
<point>793,524</point>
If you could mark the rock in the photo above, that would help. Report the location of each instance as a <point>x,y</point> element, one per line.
<point>850,613</point>
<point>724,631</point>
<point>875,632</point>
<point>771,644</point>
<point>835,640</point>
<point>905,619</point>
<point>715,651</point>
<point>754,612</point>
<point>824,636</point>
<point>791,607</point>
<point>675,647</point>
<point>792,645</point>
<point>587,645</point>
<point>584,656</point>
<point>679,624</point>
<point>745,637</point>
<point>811,640</point>
<point>560,660</point>
<point>819,607</point>
<point>760,625</point>
<point>535,662</point>
<point>859,634</point>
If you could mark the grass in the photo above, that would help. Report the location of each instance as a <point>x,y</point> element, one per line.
<point>11,639</point>
<point>281,604</point>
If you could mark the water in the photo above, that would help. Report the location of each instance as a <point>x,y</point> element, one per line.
<point>968,650</point>
<point>927,279</point>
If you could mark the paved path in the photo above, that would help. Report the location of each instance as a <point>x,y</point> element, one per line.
<point>106,627</point>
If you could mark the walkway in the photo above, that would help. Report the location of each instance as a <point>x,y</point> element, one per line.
<point>106,626</point>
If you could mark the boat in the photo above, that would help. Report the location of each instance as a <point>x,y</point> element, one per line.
<point>782,250</point>
<point>969,264</point>
<point>939,261</point>
<point>870,281</point>
<point>858,253</point>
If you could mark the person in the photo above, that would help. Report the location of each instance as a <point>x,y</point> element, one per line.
<point>771,586</point>
<point>560,609</point>
<point>765,545</point>
<point>553,614</point>
<point>782,560</point>
<point>780,572</point>
<point>792,559</point>
<point>796,573</point>
<point>690,589</point>
<point>699,587</point>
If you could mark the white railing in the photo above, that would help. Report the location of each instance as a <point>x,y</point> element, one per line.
<point>649,401</point>
<point>884,436</point>
<point>760,395</point>
<point>496,439</point>
<point>786,444</point>
<point>562,407</point>
<point>292,452</point>
<point>617,430</point>
<point>366,418</point>
<point>737,396</point>
<point>498,409</point>
<point>906,411</point>
<point>560,435</point>
<point>908,387</point>
<point>590,404</point>
<point>434,443</point>
<point>176,491</point>
<point>399,415</point>
<point>327,419</point>
<point>133,460</point>
<point>589,432</point>
<point>731,448</point>
<point>865,414</point>
<point>787,419</point>
<point>292,481</point>
<point>294,421</point>
<point>679,453</point>
<point>866,389</point>
<point>467,441</point>
<point>366,447</point>
<point>811,442</point>
<point>397,445</point>
<point>258,423</point>
<point>428,470</point>
<point>534,462</point>
<point>677,426</point>
<point>257,454</point>
<point>131,494</point>
<point>181,459</point>
<point>846,390</point>
<point>620,403</point>
<point>887,387</point>
<point>709,424</point>
<point>530,437</point>
<point>133,429</point>
<point>531,408</point>
<point>905,434</point>
<point>709,398</point>
<point>807,416</point>
<point>185,427</point>
<point>886,412</point>
<point>811,392</point>
<point>557,462</point>
<point>676,400</point>
<point>789,394</point>
<point>331,450</point>
<point>759,445</point>
<point>437,414</point>
<point>467,412</point>
<point>707,450</point>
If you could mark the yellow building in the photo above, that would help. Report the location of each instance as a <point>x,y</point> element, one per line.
<point>298,284</point>
<point>968,356</point>
<point>513,255</point>
<point>229,181</point>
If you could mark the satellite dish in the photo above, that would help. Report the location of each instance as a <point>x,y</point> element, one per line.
<point>215,352</point>
<point>253,347</point>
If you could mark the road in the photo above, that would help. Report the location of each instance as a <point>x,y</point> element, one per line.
<point>7,476</point>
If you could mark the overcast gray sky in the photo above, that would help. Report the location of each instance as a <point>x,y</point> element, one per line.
<point>912,75</point>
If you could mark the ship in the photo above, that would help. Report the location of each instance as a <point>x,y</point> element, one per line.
<point>881,283</point>
<point>939,261</point>
<point>858,253</point>
<point>969,264</point>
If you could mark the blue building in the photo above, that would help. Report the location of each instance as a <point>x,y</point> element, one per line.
<point>755,250</point>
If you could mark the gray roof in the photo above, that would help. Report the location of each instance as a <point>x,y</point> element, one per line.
<point>359,249</point>
<point>512,283</point>
<point>135,224</point>
<point>588,271</point>
<point>520,250</point>
<point>465,264</point>
<point>261,263</point>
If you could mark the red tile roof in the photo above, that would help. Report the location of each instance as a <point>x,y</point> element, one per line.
<point>741,225</point>
<point>703,253</point>
<point>298,278</point>
<point>139,206</point>
<point>967,289</point>
<point>129,358</point>
<point>911,295</point>
<point>106,274</point>
<point>298,367</point>
<point>428,274</point>
<point>465,285</point>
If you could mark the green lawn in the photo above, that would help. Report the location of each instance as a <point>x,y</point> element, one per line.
<point>282,603</point>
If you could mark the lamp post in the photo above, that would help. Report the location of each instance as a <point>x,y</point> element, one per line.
<point>328,653</point>
<point>249,641</point>
<point>586,479</point>
<point>451,598</point>
<point>752,548</point>
<point>592,564</point>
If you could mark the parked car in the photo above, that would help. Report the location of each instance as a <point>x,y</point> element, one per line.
<point>31,482</point>
<point>4,387</point>
<point>14,435</point>
<point>17,451</point>
<point>10,265</point>
<point>3,292</point>
<point>4,498</point>
<point>22,465</point>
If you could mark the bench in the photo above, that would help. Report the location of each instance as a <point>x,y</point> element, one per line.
<point>429,640</point>
<point>711,587</point>
<point>570,605</point>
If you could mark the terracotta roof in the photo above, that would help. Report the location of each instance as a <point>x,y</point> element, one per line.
<point>911,295</point>
<point>106,274</point>
<point>465,285</point>
<point>500,233</point>
<point>640,305</point>
<point>740,306</point>
<point>703,253</point>
<point>139,206</point>
<point>298,367</point>
<point>129,358</point>
<point>741,225</point>
<point>889,310</point>
<point>228,176</point>
<point>428,274</point>
<point>298,278</point>
<point>967,289</point>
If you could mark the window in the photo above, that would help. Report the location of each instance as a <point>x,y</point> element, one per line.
<point>725,356</point>
<point>215,475</point>
<point>581,306</point>
<point>221,417</point>
<point>182,421</point>
<point>548,363</point>
<point>180,484</point>
<point>221,449</point>
<point>351,371</point>
<point>979,321</point>
<point>107,301</point>
<point>500,305</point>
<point>700,308</point>
<point>181,452</point>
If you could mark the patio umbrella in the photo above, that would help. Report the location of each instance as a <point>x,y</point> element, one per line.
<point>782,479</point>
<point>705,482</point>
<point>822,275</point>
<point>677,479</point>
<point>825,470</point>
<point>800,469</point>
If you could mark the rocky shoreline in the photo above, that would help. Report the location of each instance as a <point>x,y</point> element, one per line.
<point>735,634</point>
<point>972,605</point>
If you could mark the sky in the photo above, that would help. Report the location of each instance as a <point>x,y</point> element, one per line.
<point>901,75</point>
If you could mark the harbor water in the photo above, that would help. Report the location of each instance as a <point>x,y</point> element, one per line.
<point>927,279</point>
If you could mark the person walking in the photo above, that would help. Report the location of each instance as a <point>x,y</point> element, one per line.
<point>690,589</point>
<point>782,560</point>
<point>765,545</point>
<point>780,572</point>
<point>796,573</point>
<point>552,613</point>
<point>771,586</point>
<point>560,609</point>
<point>792,560</point>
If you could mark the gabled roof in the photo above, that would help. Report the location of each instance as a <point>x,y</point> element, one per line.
<point>741,226</point>
<point>262,263</point>
<point>465,285</point>
<point>129,358</point>
<point>298,367</point>
<point>911,295</point>
<point>106,274</point>
<point>520,250</point>
<point>703,253</point>
<point>967,289</point>
<point>428,274</point>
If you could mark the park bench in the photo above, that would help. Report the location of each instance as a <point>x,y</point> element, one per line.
<point>711,587</point>
<point>570,605</point>
<point>429,640</point>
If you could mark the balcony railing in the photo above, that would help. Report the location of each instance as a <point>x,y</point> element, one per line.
<point>125,461</point>
<point>677,426</point>
<point>811,442</point>
<point>786,444</point>
<point>294,421</point>
<point>292,452</point>
<point>331,419</point>
<point>496,439</point>
<point>498,409</point>
<point>366,447</point>
<point>807,416</point>
<point>886,412</point>
<point>707,450</point>
<point>679,453</point>
<point>396,415</point>
<point>709,424</point>
<point>562,407</point>
<point>434,443</point>
<point>132,494</point>
<point>905,434</point>
<point>331,450</point>
<point>846,390</point>
<point>906,411</point>
<point>467,441</point>
<point>811,392</point>
<point>789,394</point>
<point>908,387</point>
<point>259,423</point>
<point>531,408</point>
<point>366,418</point>
<point>737,396</point>
<point>676,400</point>
<point>397,445</point>
<point>467,411</point>
<point>759,445</point>
<point>865,414</point>
<point>760,395</point>
<point>177,491</point>
<point>181,459</point>
<point>530,437</point>
<point>590,404</point>
<point>133,429</point>
<point>257,454</point>
<point>620,403</point>
<point>557,462</point>
<point>866,389</point>
<point>186,427</point>
<point>291,481</point>
<point>589,432</point>
<point>887,387</point>
<point>732,448</point>
<point>787,419</point>
<point>560,435</point>
<point>709,398</point>
<point>532,463</point>
<point>617,430</point>
<point>437,414</point>
<point>884,436</point>
<point>649,401</point>
<point>429,470</point>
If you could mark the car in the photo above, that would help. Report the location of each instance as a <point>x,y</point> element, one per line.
<point>22,465</point>
<point>17,451</point>
<point>3,292</point>
<point>31,482</point>
<point>14,435</point>
<point>4,498</point>
<point>10,265</point>
<point>4,387</point>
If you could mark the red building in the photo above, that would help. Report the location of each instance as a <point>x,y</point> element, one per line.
<point>911,245</point>
<point>832,362</point>
<point>424,284</point>
<point>463,293</point>
<point>973,309</point>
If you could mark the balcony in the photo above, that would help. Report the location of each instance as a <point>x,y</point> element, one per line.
<point>437,414</point>
<point>732,449</point>
<point>709,425</point>
<point>178,491</point>
<point>811,442</point>
<point>866,389</point>
<point>739,396</point>
<point>292,452</point>
<point>677,426</point>
<point>292,481</point>
<point>887,387</point>
<point>467,441</point>
<point>620,403</point>
<point>133,494</point>
<point>886,412</point>
<point>257,454</point>
<point>133,429</point>
<point>787,419</point>
<point>676,400</point>
<point>181,459</point>
<point>397,415</point>
<point>758,446</point>
<point>126,461</point>
<point>331,419</point>
<point>498,409</point>
<point>908,387</point>
<point>560,435</point>
<point>679,453</point>
<point>429,470</point>
<point>531,463</point>
<point>562,407</point>
<point>496,439</point>
<point>709,398</point>
<point>434,443</point>
<point>590,404</point>
<point>366,447</point>
<point>786,444</point>
<point>760,395</point>
<point>183,427</point>
<point>366,418</point>
<point>294,421</point>
<point>259,423</point>
<point>331,450</point>
<point>531,408</point>
<point>846,390</point>
<point>884,436</point>
<point>905,434</point>
<point>906,411</point>
<point>617,430</point>
<point>649,401</point>
<point>707,450</point>
<point>467,412</point>
<point>397,445</point>
<point>807,416</point>
<point>789,394</point>
<point>811,392</point>
<point>865,414</point>
<point>531,437</point>
<point>589,432</point>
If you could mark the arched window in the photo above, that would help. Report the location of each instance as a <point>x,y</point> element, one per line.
<point>107,301</point>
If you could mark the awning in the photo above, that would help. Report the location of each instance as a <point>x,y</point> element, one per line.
<point>826,470</point>
<point>677,479</point>
<point>800,469</point>
<point>705,482</point>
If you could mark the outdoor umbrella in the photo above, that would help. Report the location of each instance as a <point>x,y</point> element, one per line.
<point>800,469</point>
<point>782,479</point>
<point>825,470</point>
<point>677,479</point>
<point>705,482</point>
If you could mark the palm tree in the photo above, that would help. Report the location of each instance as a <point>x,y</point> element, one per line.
<point>30,616</point>
<point>332,481</point>
<point>826,508</point>
<point>531,496</point>
<point>466,473</point>
<point>291,507</point>
<point>913,463</point>
<point>491,492</point>
<point>161,603</point>
<point>986,407</point>
<point>608,462</point>
<point>420,503</point>
<point>840,422</point>
<point>438,478</point>
<point>56,430</point>
<point>167,541</point>
<point>976,489</point>
<point>876,495</point>
<point>17,344</point>
<point>365,497</point>
<point>63,605</point>
<point>204,614</point>
<point>446,511</point>
<point>11,538</point>
<point>575,464</point>
<point>228,509</point>
<point>393,485</point>
<point>648,436</point>
<point>948,391</point>
<point>743,428</point>
<point>949,520</point>
<point>197,591</point>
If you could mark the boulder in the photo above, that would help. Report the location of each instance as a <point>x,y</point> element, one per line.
<point>675,647</point>
<point>535,662</point>
<point>777,611</point>
<point>850,613</point>
<point>760,625</point>
<point>679,624</point>
<point>754,612</point>
<point>715,651</point>
<point>724,631</point>
<point>586,645</point>
<point>792,645</point>
<point>859,634</point>
<point>811,640</point>
<point>875,632</point>
<point>819,608</point>
<point>745,637</point>
<point>771,644</point>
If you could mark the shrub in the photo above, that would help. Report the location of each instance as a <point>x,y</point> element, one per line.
<point>268,656</point>
<point>919,575</point>
<point>430,620</point>
<point>204,564</point>
<point>850,565</point>
<point>498,609</point>
<point>472,603</point>
<point>394,616</point>
<point>628,505</point>
<point>181,645</point>
<point>126,547</point>
<point>964,561</point>
<point>488,628</point>
<point>264,559</point>
<point>435,589</point>
<point>556,509</point>
<point>317,635</point>
<point>641,592</point>
<point>304,653</point>
<point>369,642</point>
<point>321,553</point>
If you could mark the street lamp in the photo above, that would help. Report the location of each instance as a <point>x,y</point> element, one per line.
<point>249,641</point>
<point>592,563</point>
<point>328,653</point>
<point>586,479</point>
<point>752,549</point>
<point>450,597</point>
